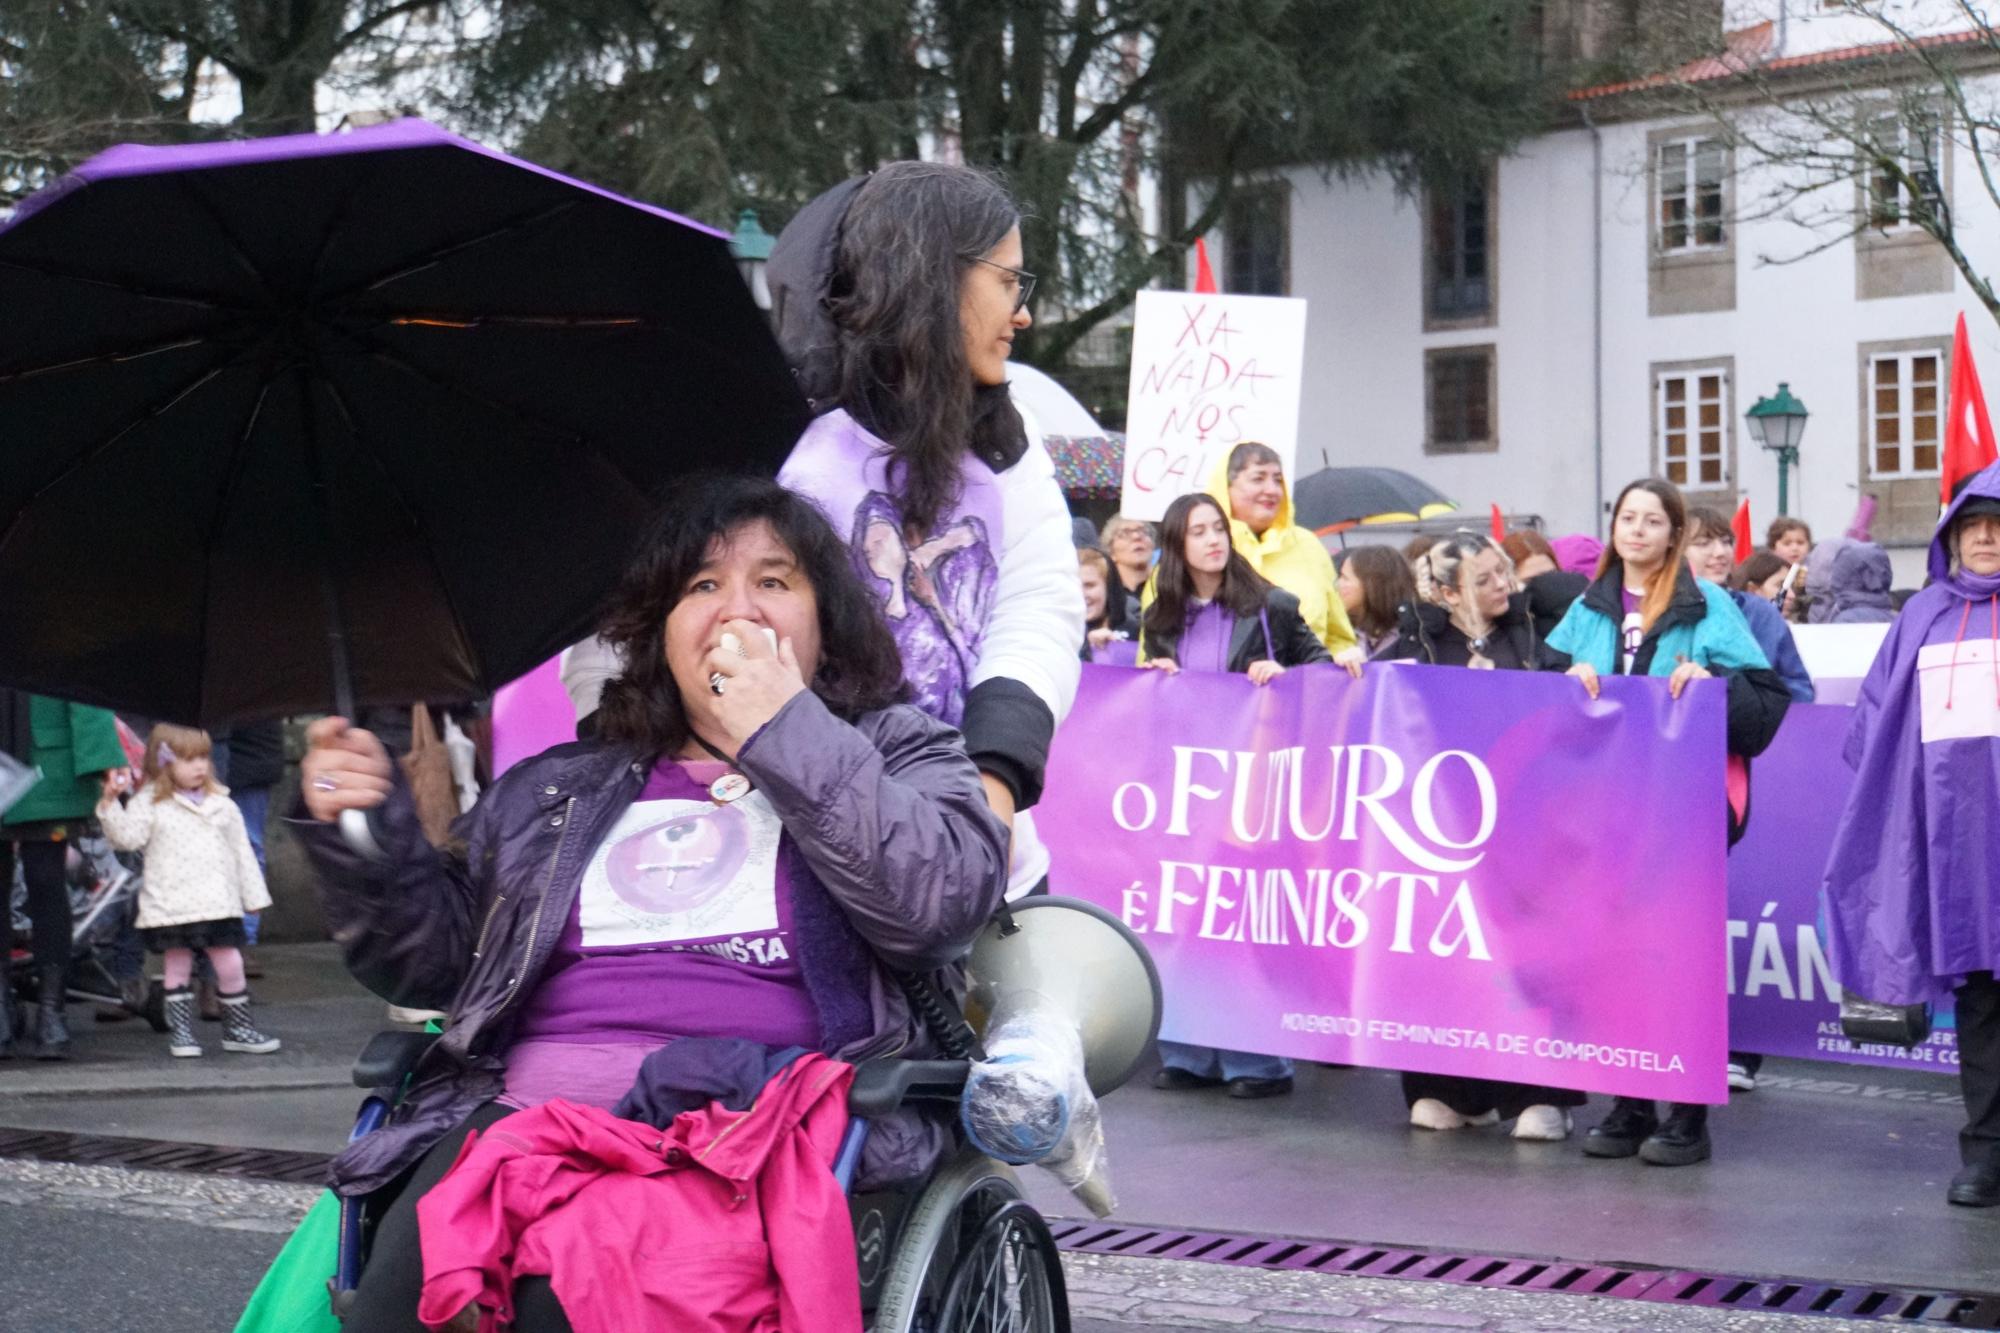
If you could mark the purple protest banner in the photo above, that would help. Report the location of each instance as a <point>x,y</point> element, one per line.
<point>1459,872</point>
<point>1783,1000</point>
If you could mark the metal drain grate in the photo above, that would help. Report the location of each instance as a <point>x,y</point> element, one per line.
<point>302,1168</point>
<point>1619,1282</point>
<point>1976,1310</point>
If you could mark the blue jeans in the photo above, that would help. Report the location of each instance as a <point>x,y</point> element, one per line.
<point>255,803</point>
<point>1208,1062</point>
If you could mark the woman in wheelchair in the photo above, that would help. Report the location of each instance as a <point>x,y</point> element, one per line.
<point>760,837</point>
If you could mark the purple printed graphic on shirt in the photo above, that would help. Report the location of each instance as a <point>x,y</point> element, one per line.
<point>682,928</point>
<point>936,594</point>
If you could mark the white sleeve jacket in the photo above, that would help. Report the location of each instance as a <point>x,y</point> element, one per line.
<point>1026,677</point>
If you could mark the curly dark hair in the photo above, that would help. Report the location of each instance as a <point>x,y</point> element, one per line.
<point>906,244</point>
<point>860,669</point>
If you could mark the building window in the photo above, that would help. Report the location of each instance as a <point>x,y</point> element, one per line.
<point>1904,415</point>
<point>1690,180</point>
<point>1459,390</point>
<point>1693,427</point>
<point>1903,179</point>
<point>1459,237</point>
<point>1255,241</point>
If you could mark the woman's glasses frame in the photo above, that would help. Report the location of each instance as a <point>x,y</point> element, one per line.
<point>1025,281</point>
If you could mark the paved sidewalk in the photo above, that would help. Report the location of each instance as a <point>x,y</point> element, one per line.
<point>1113,1292</point>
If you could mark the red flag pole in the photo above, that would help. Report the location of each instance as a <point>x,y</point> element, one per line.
<point>1739,528</point>
<point>1204,276</point>
<point>1968,433</point>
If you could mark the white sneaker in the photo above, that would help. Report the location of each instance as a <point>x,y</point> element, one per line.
<point>1741,1079</point>
<point>1543,1124</point>
<point>1430,1113</point>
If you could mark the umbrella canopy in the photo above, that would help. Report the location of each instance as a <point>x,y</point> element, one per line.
<point>1337,497</point>
<point>1088,467</point>
<point>373,416</point>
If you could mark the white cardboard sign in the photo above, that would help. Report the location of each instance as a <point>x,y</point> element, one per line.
<point>1208,372</point>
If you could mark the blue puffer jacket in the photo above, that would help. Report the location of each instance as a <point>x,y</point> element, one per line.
<point>1774,636</point>
<point>1701,625</point>
<point>895,862</point>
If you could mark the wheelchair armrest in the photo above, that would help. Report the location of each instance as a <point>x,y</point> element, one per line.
<point>880,1086</point>
<point>390,1057</point>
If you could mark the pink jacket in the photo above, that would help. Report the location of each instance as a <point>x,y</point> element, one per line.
<point>729,1221</point>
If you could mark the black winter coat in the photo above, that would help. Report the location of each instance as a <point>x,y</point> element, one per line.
<point>1292,643</point>
<point>1426,634</point>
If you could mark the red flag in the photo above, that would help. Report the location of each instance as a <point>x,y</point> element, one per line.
<point>1204,276</point>
<point>1968,434</point>
<point>1739,528</point>
<point>1499,523</point>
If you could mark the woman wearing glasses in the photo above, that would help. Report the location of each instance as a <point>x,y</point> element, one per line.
<point>897,297</point>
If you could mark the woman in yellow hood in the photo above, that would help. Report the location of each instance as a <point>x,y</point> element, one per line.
<point>1250,485</point>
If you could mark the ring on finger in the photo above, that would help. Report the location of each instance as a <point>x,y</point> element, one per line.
<point>715,682</point>
<point>326,782</point>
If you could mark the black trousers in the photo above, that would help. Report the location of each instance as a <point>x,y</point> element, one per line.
<point>1979,1067</point>
<point>386,1301</point>
<point>1477,1096</point>
<point>48,898</point>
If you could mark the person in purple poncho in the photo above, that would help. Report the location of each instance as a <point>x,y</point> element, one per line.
<point>1913,882</point>
<point>1212,612</point>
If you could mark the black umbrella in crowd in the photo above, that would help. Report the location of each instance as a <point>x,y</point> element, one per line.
<point>371,417</point>
<point>1337,496</point>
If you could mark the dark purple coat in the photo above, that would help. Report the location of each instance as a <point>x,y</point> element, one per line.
<point>897,862</point>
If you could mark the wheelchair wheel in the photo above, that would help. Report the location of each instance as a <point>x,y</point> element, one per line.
<point>974,1257</point>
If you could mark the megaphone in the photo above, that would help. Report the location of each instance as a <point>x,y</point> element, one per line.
<point>1083,961</point>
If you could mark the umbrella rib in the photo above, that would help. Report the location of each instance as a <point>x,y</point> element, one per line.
<point>231,476</point>
<point>433,258</point>
<point>237,250</point>
<point>563,433</point>
<point>165,404</point>
<point>163,294</point>
<point>435,319</point>
<point>360,440</point>
<point>101,359</point>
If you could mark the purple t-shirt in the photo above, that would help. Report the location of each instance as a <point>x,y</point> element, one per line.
<point>682,928</point>
<point>1204,644</point>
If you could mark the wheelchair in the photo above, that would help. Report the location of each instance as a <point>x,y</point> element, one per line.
<point>962,1251</point>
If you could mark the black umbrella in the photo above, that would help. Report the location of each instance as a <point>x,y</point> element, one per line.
<point>370,417</point>
<point>1334,496</point>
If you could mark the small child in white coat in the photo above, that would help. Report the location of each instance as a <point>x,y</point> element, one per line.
<point>201,876</point>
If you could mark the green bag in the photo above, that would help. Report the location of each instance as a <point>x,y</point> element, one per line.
<point>292,1298</point>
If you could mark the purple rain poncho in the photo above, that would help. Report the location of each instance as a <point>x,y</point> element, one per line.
<point>1912,887</point>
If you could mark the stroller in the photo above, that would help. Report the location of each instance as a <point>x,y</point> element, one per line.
<point>103,901</point>
<point>103,898</point>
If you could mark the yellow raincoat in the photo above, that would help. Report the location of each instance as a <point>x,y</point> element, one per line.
<point>1293,558</point>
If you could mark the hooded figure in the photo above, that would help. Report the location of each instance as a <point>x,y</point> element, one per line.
<point>1819,580</point>
<point>884,291</point>
<point>1857,587</point>
<point>1289,556</point>
<point>1913,882</point>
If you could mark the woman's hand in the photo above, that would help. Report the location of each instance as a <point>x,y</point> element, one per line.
<point>1586,673</point>
<point>345,768</point>
<point>755,683</point>
<point>1684,673</point>
<point>999,798</point>
<point>1100,637</point>
<point>1350,660</point>
<point>1166,664</point>
<point>116,782</point>
<point>1264,672</point>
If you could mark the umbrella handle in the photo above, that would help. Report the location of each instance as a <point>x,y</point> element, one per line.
<point>360,836</point>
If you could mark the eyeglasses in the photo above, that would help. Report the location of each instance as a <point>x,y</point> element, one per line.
<point>1024,282</point>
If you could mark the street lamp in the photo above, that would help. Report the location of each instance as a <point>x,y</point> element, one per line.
<point>1778,424</point>
<point>750,247</point>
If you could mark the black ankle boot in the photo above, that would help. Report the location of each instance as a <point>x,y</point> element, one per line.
<point>1620,1133</point>
<point>1682,1140</point>
<point>51,1031</point>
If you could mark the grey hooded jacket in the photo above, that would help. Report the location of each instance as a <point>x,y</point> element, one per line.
<point>897,862</point>
<point>1858,586</point>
